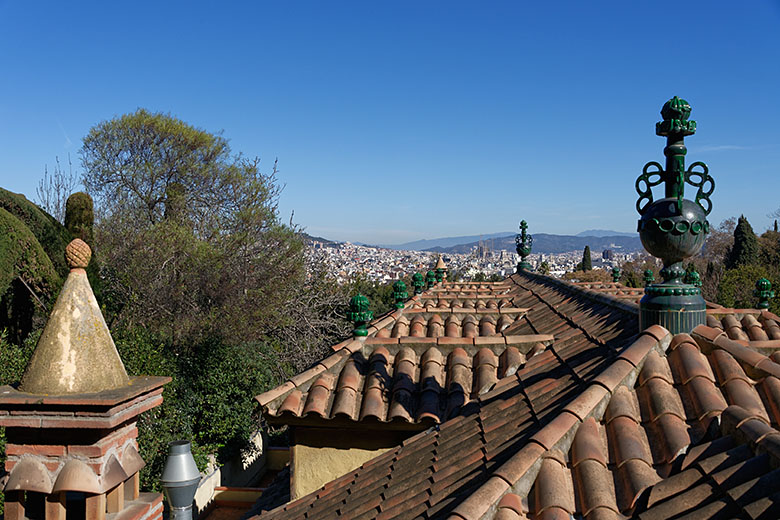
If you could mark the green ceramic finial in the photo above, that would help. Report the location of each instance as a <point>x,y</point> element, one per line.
<point>764,293</point>
<point>674,231</point>
<point>674,228</point>
<point>359,314</point>
<point>430,279</point>
<point>615,274</point>
<point>418,281</point>
<point>399,294</point>
<point>649,277</point>
<point>523,244</point>
<point>692,278</point>
<point>675,114</point>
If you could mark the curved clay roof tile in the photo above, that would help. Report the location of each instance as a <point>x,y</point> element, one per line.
<point>318,397</point>
<point>587,444</point>
<point>291,403</point>
<point>401,328</point>
<point>504,322</point>
<point>112,474</point>
<point>487,326</point>
<point>434,355</point>
<point>510,360</point>
<point>621,405</point>
<point>383,333</point>
<point>77,476</point>
<point>458,356</point>
<point>406,354</point>
<point>380,352</point>
<point>131,460</point>
<point>29,475</point>
<point>655,367</point>
<point>753,328</point>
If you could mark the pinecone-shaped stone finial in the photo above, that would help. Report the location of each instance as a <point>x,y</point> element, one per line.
<point>77,254</point>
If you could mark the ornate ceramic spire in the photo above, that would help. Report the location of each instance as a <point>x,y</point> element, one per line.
<point>359,314</point>
<point>523,243</point>
<point>673,228</point>
<point>418,281</point>
<point>399,294</point>
<point>430,279</point>
<point>763,292</point>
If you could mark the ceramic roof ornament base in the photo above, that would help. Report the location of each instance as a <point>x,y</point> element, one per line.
<point>673,228</point>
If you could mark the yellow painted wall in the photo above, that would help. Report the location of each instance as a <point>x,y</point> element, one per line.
<point>319,455</point>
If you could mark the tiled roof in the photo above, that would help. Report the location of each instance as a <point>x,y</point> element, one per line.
<point>758,328</point>
<point>425,369</point>
<point>600,424</point>
<point>693,434</point>
<point>435,470</point>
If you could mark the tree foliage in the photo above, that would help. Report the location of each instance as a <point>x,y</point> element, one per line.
<point>80,216</point>
<point>594,275</point>
<point>28,280</point>
<point>736,287</point>
<point>188,231</point>
<point>632,273</point>
<point>587,264</point>
<point>200,279</point>
<point>50,233</point>
<point>745,249</point>
<point>53,190</point>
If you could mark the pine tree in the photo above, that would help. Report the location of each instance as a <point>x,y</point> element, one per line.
<point>587,265</point>
<point>745,249</point>
<point>775,225</point>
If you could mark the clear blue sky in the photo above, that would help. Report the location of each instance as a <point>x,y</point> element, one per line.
<point>396,121</point>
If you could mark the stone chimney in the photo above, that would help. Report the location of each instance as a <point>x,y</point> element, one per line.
<point>71,422</point>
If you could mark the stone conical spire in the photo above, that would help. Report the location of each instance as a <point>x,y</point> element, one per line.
<point>75,353</point>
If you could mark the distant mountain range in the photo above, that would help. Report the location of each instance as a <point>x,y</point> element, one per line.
<point>597,239</point>
<point>604,233</point>
<point>552,244</point>
<point>430,244</point>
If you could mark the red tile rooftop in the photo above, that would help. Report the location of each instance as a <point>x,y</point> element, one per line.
<point>595,422</point>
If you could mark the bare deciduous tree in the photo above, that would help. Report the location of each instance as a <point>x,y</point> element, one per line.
<point>55,188</point>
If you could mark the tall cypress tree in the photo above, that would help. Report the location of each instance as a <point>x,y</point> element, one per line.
<point>587,265</point>
<point>745,249</point>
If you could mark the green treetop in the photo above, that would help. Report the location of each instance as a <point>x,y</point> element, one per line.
<point>745,249</point>
<point>587,265</point>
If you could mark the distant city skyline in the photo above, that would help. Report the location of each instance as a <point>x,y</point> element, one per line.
<point>403,121</point>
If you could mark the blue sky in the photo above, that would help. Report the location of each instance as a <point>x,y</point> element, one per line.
<point>396,121</point>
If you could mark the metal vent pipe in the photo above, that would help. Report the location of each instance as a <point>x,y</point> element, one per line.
<point>180,479</point>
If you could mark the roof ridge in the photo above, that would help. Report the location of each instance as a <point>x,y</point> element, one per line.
<point>573,289</point>
<point>600,297</point>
